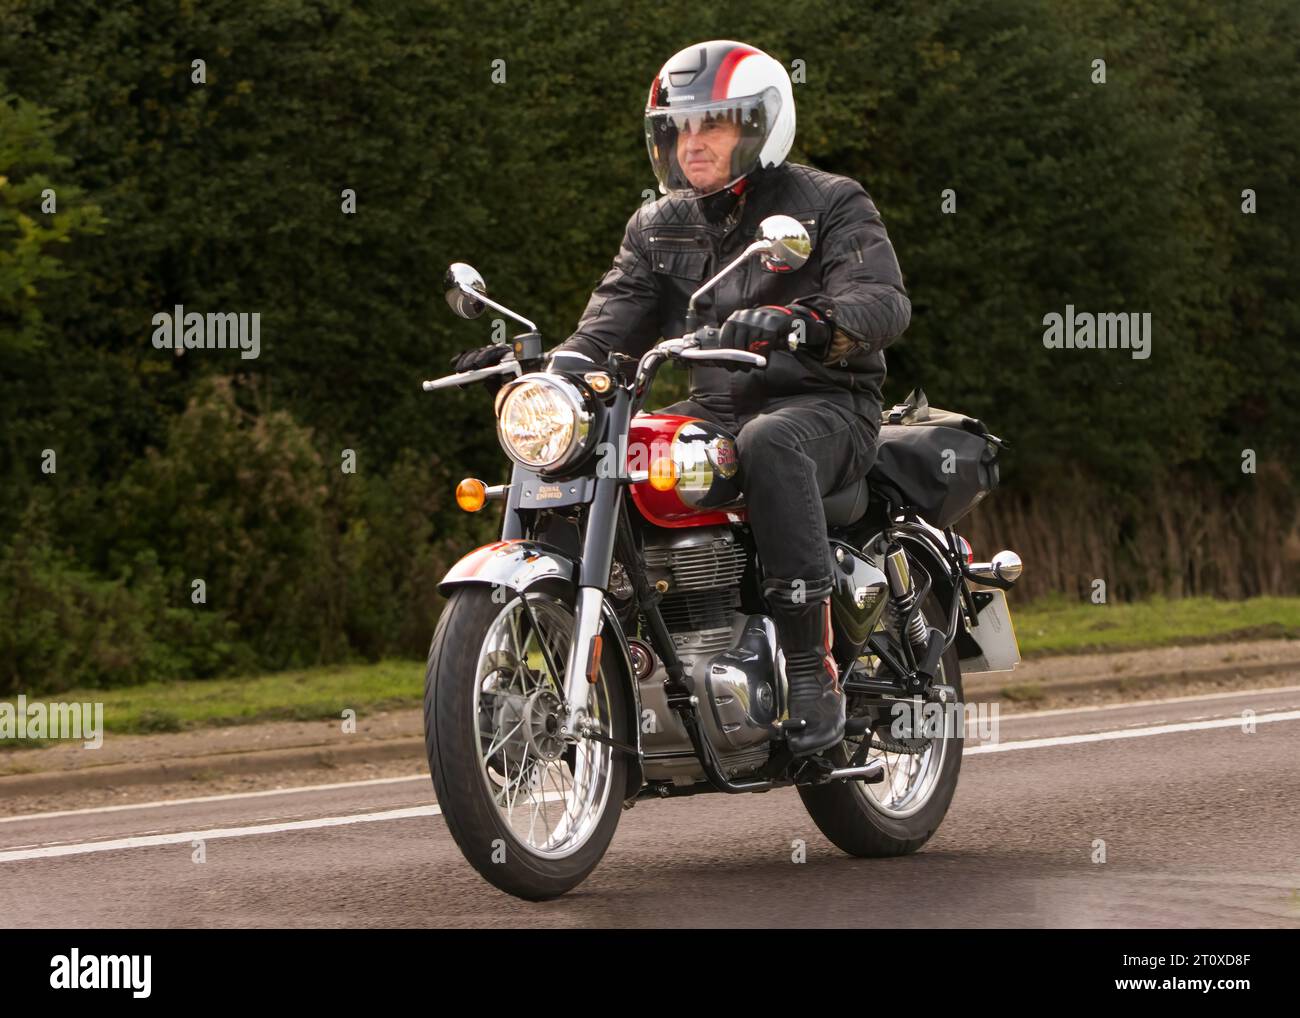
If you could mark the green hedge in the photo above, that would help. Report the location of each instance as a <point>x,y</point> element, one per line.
<point>225,196</point>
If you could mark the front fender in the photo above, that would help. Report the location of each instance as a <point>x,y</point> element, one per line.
<point>517,564</point>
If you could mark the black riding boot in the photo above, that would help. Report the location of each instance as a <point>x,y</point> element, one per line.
<point>816,698</point>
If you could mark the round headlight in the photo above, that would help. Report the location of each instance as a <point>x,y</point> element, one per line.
<point>542,422</point>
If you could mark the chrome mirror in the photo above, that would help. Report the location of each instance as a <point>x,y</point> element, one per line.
<point>462,282</point>
<point>787,242</point>
<point>782,243</point>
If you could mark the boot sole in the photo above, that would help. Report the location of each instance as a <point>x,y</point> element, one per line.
<point>820,748</point>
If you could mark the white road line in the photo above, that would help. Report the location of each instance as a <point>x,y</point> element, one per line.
<point>228,797</point>
<point>232,796</point>
<point>1128,733</point>
<point>183,837</point>
<point>1029,715</point>
<point>421,811</point>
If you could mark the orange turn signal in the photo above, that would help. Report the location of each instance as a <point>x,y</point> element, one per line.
<point>663,474</point>
<point>471,494</point>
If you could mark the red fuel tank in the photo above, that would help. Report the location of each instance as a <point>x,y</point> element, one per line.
<point>706,492</point>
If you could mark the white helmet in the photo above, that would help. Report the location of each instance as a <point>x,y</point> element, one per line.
<point>719,80</point>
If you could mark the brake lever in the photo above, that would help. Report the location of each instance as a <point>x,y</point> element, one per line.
<point>506,364</point>
<point>753,360</point>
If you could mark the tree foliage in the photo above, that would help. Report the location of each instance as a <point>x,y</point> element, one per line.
<point>509,135</point>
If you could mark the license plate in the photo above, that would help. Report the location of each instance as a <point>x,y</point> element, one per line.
<point>996,637</point>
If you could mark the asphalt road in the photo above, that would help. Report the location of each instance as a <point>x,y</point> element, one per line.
<point>1199,819</point>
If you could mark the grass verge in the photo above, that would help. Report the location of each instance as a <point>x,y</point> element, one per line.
<point>1043,628</point>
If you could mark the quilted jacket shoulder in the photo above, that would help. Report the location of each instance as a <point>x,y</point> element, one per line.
<point>852,279</point>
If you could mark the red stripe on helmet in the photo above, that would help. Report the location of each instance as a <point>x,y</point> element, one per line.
<point>722,80</point>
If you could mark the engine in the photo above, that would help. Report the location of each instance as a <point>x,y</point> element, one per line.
<point>698,570</point>
<point>730,657</point>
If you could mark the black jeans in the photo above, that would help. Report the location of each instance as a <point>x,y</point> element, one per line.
<point>791,456</point>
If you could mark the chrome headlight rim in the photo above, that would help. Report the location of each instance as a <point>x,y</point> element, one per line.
<point>581,403</point>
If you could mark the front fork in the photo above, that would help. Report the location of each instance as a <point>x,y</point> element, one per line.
<point>582,667</point>
<point>583,664</point>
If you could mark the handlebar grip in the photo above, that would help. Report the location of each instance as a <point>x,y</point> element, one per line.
<point>707,337</point>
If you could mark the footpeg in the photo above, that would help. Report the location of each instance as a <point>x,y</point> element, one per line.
<point>869,773</point>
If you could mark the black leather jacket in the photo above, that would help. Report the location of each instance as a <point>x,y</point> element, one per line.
<point>670,248</point>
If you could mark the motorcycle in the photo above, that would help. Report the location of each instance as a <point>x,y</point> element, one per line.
<point>614,645</point>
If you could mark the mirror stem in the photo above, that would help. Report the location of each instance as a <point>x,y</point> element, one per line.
<point>484,299</point>
<point>754,248</point>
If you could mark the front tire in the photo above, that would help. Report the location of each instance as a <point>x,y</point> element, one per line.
<point>899,815</point>
<point>532,814</point>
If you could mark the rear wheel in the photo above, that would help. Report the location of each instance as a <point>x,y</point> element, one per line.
<point>531,812</point>
<point>899,814</point>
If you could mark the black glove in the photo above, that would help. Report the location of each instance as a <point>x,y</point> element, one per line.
<point>764,329</point>
<point>483,357</point>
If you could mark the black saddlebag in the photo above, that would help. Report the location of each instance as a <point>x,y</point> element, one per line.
<point>938,462</point>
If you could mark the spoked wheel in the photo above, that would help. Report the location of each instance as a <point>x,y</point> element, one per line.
<point>530,810</point>
<point>898,812</point>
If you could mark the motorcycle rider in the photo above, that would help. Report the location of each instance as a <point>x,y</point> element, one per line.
<point>719,123</point>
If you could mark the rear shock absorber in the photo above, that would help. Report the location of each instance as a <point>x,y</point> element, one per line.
<point>903,599</point>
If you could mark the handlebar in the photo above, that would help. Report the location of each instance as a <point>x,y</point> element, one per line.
<point>507,364</point>
<point>686,347</point>
<point>753,360</point>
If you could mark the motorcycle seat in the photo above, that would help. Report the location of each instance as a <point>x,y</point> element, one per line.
<point>847,505</point>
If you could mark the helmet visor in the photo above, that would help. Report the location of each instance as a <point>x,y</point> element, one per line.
<point>705,147</point>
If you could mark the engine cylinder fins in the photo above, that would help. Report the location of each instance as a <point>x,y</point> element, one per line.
<point>705,566</point>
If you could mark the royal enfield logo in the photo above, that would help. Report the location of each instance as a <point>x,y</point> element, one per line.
<point>724,457</point>
<point>545,491</point>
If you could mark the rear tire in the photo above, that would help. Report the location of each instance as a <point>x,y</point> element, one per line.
<point>468,778</point>
<point>853,818</point>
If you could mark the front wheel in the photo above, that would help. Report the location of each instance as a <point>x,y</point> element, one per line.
<point>899,814</point>
<point>530,811</point>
